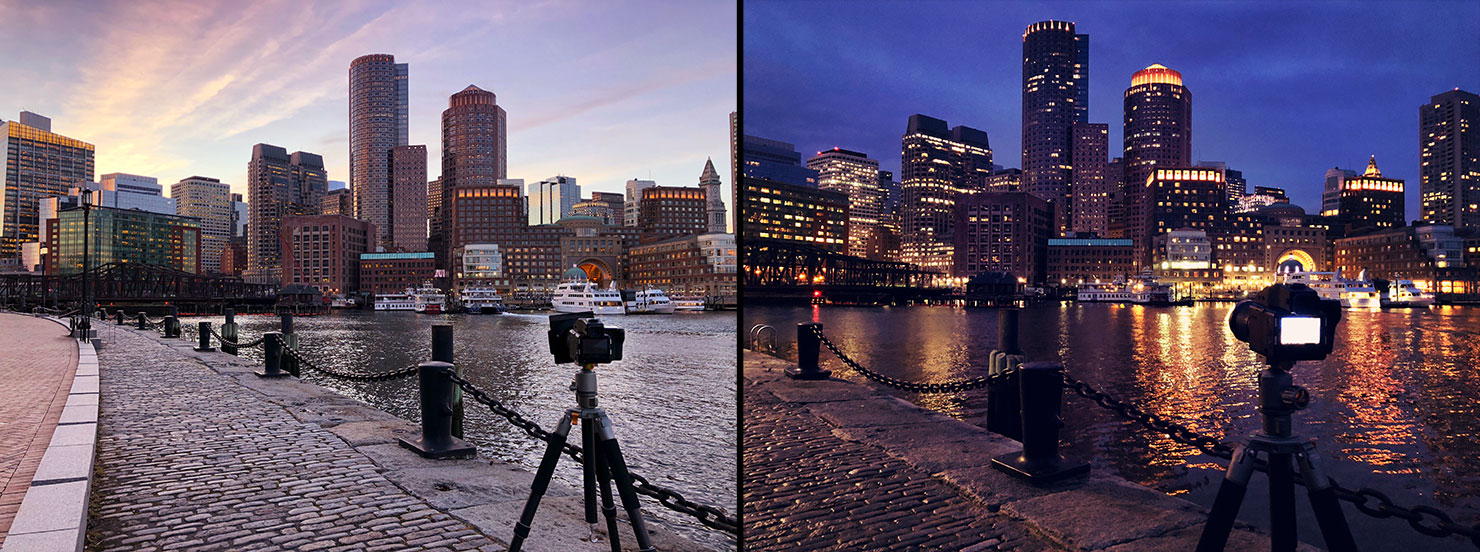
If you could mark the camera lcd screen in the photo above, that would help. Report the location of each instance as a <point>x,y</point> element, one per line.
<point>1300,330</point>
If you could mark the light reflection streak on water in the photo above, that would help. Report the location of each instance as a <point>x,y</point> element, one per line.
<point>1396,407</point>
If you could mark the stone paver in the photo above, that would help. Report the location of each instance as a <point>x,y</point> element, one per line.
<point>191,460</point>
<point>37,362</point>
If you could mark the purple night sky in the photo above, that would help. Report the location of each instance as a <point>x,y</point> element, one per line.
<point>1280,91</point>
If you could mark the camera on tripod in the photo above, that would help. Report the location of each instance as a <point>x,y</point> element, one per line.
<point>583,339</point>
<point>1287,323</point>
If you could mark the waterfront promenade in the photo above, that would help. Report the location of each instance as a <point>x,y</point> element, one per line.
<point>839,465</point>
<point>195,452</point>
<point>37,362</point>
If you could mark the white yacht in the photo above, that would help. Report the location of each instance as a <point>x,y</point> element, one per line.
<point>481,300</point>
<point>1358,294</point>
<point>687,303</point>
<point>394,302</point>
<point>577,293</point>
<point>428,299</point>
<point>1403,293</point>
<point>647,301</point>
<point>1140,290</point>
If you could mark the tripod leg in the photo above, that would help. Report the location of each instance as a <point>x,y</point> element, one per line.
<point>608,507</point>
<point>588,474</point>
<point>618,465</point>
<point>1323,500</point>
<point>1281,502</point>
<point>1225,505</point>
<point>541,483</point>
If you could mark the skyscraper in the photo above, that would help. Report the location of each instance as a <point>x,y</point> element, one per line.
<point>1331,195</point>
<point>407,200</point>
<point>713,201</point>
<point>631,201</point>
<point>377,122</point>
<point>38,163</point>
<point>552,199</point>
<point>279,185</point>
<point>209,200</point>
<point>1158,123</point>
<point>735,171</point>
<point>773,160</point>
<point>1449,160</point>
<point>1055,96</point>
<point>1090,156</point>
<point>473,151</point>
<point>856,176</point>
<point>1370,201</point>
<point>937,165</point>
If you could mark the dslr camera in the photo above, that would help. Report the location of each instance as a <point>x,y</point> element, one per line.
<point>582,338</point>
<point>1287,323</point>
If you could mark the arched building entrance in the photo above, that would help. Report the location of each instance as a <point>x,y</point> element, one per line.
<point>1295,260</point>
<point>597,271</point>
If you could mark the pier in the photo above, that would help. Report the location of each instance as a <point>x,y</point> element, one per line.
<point>195,451</point>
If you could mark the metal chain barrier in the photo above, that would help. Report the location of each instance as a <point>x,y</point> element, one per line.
<point>247,345</point>
<point>710,516</point>
<point>303,361</point>
<point>1178,432</point>
<point>978,382</point>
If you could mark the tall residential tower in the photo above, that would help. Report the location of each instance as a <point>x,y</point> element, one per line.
<point>1055,96</point>
<point>1449,159</point>
<point>377,122</point>
<point>857,176</point>
<point>937,165</point>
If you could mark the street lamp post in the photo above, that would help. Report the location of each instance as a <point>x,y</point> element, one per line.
<point>86,324</point>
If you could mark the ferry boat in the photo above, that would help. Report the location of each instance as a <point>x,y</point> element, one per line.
<point>647,301</point>
<point>481,300</point>
<point>1353,294</point>
<point>394,302</point>
<point>1403,293</point>
<point>577,294</point>
<point>342,302</point>
<point>687,303</point>
<point>1139,290</point>
<point>427,299</point>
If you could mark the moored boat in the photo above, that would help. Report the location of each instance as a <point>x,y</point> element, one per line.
<point>1404,293</point>
<point>647,301</point>
<point>481,300</point>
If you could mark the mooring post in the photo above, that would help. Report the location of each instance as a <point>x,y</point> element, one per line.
<point>442,352</point>
<point>204,329</point>
<point>1004,413</point>
<point>808,352</point>
<point>272,356</point>
<point>290,340</point>
<point>143,321</point>
<point>228,332</point>
<point>118,316</point>
<point>436,439</point>
<point>171,326</point>
<point>1041,395</point>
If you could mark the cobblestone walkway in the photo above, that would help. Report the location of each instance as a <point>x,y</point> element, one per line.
<point>37,361</point>
<point>808,489</point>
<point>190,460</point>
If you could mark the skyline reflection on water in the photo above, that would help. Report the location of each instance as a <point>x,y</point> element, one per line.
<point>1393,408</point>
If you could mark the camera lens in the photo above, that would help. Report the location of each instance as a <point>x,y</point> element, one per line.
<point>1238,320</point>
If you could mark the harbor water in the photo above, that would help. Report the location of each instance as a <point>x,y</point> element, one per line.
<point>671,397</point>
<point>1396,407</point>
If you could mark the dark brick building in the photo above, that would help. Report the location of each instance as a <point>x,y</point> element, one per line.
<point>1003,232</point>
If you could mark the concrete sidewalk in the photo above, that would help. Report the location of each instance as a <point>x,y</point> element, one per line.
<point>838,465</point>
<point>37,363</point>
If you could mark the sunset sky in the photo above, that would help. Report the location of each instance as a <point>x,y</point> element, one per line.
<point>601,91</point>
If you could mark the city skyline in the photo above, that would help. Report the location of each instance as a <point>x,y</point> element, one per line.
<point>177,90</point>
<point>1281,97</point>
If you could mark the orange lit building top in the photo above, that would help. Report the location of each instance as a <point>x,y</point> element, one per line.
<point>1156,74</point>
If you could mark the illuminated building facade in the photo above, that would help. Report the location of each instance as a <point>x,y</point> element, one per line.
<point>1157,131</point>
<point>1449,160</point>
<point>1055,97</point>
<point>939,166</point>
<point>781,211</point>
<point>606,206</point>
<point>1003,232</point>
<point>1331,194</point>
<point>702,265</point>
<point>1431,255</point>
<point>668,211</point>
<point>1371,201</point>
<point>1174,199</point>
<point>38,164</point>
<point>474,153</point>
<point>208,200</point>
<point>493,214</point>
<point>324,251</point>
<point>1005,180</point>
<point>378,121</point>
<point>406,200</point>
<point>279,186</point>
<point>1090,157</point>
<point>856,176</point>
<point>394,272</point>
<point>632,201</point>
<point>121,236</point>
<point>337,202</point>
<point>1072,261</point>
<point>1233,180</point>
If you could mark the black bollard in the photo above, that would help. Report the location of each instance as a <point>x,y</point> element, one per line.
<point>228,332</point>
<point>143,322</point>
<point>436,415</point>
<point>1041,395</point>
<point>1004,413</point>
<point>118,315</point>
<point>204,329</point>
<point>272,356</point>
<point>290,340</point>
<point>171,326</point>
<point>808,345</point>
<point>442,352</point>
